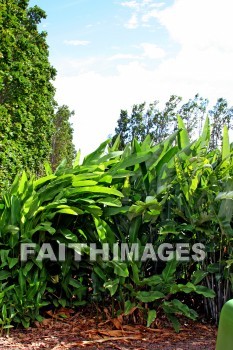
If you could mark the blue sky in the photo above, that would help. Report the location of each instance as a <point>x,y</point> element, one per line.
<point>110,54</point>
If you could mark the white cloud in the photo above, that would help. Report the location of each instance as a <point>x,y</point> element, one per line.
<point>203,64</point>
<point>70,66</point>
<point>138,5</point>
<point>152,51</point>
<point>148,51</point>
<point>150,14</point>
<point>97,100</point>
<point>133,22</point>
<point>130,4</point>
<point>142,12</point>
<point>198,23</point>
<point>76,42</point>
<point>122,56</point>
<point>203,29</point>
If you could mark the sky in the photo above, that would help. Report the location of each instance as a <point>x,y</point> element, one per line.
<point>111,54</point>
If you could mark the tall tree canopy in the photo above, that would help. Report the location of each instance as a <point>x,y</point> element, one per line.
<point>26,90</point>
<point>160,122</point>
<point>62,145</point>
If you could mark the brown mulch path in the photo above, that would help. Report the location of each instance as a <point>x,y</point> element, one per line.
<point>81,331</point>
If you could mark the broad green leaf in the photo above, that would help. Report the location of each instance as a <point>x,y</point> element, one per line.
<point>120,269</point>
<point>11,229</point>
<point>44,226</point>
<point>84,183</point>
<point>128,307</point>
<point>96,189</point>
<point>206,130</point>
<point>110,201</point>
<point>32,291</point>
<point>48,168</point>
<point>206,292</point>
<point>105,179</point>
<point>183,138</point>
<point>100,229</point>
<point>4,275</point>
<point>198,276</point>
<point>175,322</point>
<point>61,167</point>
<point>4,255</point>
<point>112,286</point>
<point>169,271</point>
<point>135,271</point>
<point>70,211</point>
<point>134,229</point>
<point>147,297</point>
<point>104,231</point>
<point>152,280</point>
<point>4,312</point>
<point>151,317</point>
<point>74,283</point>
<point>115,211</point>
<point>31,206</point>
<point>109,156</point>
<point>100,272</point>
<point>43,180</point>
<point>12,262</point>
<point>185,288</point>
<point>165,159</point>
<point>186,311</point>
<point>130,161</point>
<point>116,144</point>
<point>27,267</point>
<point>68,234</point>
<point>22,281</point>
<point>93,157</point>
<point>92,209</point>
<point>225,144</point>
<point>23,183</point>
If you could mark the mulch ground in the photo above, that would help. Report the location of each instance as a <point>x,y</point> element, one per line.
<point>83,331</point>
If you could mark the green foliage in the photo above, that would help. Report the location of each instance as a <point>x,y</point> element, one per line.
<point>62,144</point>
<point>26,91</point>
<point>156,123</point>
<point>176,191</point>
<point>51,210</point>
<point>159,122</point>
<point>220,115</point>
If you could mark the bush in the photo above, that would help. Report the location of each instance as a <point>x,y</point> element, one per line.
<point>174,192</point>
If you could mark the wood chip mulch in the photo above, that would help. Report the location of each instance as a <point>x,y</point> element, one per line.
<point>82,331</point>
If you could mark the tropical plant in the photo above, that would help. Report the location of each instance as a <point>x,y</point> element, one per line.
<point>174,192</point>
<point>40,211</point>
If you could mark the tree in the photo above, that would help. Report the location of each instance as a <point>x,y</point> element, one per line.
<point>159,123</point>
<point>193,113</point>
<point>220,115</point>
<point>133,126</point>
<point>26,90</point>
<point>62,144</point>
<point>146,121</point>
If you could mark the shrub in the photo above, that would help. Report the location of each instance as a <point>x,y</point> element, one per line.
<point>173,192</point>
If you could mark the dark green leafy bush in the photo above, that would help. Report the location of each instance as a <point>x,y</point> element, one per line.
<point>173,192</point>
